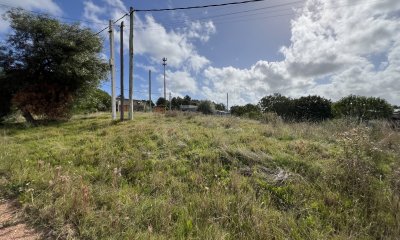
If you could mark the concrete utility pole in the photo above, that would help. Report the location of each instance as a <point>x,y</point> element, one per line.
<point>130,116</point>
<point>150,90</point>
<point>227,102</point>
<point>165,86</point>
<point>170,102</point>
<point>122,70</point>
<point>112,71</point>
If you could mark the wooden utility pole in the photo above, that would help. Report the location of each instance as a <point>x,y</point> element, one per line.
<point>131,63</point>
<point>150,90</point>
<point>165,86</point>
<point>112,71</point>
<point>122,70</point>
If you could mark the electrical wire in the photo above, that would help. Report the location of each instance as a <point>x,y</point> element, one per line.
<point>126,14</point>
<point>240,18</point>
<point>183,8</point>
<point>197,7</point>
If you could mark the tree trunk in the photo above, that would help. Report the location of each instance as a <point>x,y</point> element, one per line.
<point>28,117</point>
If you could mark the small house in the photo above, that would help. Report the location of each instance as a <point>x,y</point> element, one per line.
<point>188,108</point>
<point>396,114</point>
<point>138,105</point>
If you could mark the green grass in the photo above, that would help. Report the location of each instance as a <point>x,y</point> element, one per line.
<point>199,177</point>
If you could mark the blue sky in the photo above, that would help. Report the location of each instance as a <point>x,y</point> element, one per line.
<point>332,48</point>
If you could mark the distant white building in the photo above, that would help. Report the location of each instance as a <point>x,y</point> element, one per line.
<point>396,114</point>
<point>188,108</point>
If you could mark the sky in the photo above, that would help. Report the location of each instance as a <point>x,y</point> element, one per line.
<point>331,48</point>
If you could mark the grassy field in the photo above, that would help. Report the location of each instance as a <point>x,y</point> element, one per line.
<point>199,177</point>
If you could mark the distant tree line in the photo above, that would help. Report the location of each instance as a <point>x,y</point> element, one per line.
<point>316,108</point>
<point>203,106</point>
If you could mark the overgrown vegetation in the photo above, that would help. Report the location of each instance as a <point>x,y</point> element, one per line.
<point>46,65</point>
<point>94,100</point>
<point>187,176</point>
<point>362,108</point>
<point>317,109</point>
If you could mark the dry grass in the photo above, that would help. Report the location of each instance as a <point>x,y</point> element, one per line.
<point>186,176</point>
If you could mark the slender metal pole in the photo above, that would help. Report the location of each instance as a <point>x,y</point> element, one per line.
<point>170,101</point>
<point>165,85</point>
<point>122,70</point>
<point>227,102</point>
<point>112,71</point>
<point>131,64</point>
<point>150,91</point>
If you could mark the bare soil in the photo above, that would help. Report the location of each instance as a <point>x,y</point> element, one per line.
<point>12,226</point>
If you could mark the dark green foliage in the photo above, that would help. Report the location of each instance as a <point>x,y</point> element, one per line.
<point>249,110</point>
<point>187,100</point>
<point>278,104</point>
<point>95,100</point>
<point>311,108</point>
<point>206,107</point>
<point>176,102</point>
<point>220,107</point>
<point>44,52</point>
<point>161,102</point>
<point>362,108</point>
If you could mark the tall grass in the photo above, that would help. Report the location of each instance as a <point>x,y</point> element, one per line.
<point>185,176</point>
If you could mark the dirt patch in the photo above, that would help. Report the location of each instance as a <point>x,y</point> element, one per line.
<point>12,225</point>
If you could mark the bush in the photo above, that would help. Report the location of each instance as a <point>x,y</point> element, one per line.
<point>51,101</point>
<point>206,107</point>
<point>249,110</point>
<point>362,108</point>
<point>95,100</point>
<point>312,109</point>
<point>278,104</point>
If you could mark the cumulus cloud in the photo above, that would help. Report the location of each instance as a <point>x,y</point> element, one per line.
<point>46,6</point>
<point>341,41</point>
<point>179,82</point>
<point>154,41</point>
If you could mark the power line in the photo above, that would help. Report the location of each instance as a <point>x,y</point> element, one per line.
<point>126,14</point>
<point>197,7</point>
<point>204,20</point>
<point>243,17</point>
<point>182,8</point>
<point>137,91</point>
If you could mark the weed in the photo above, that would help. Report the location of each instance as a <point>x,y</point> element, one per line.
<point>189,176</point>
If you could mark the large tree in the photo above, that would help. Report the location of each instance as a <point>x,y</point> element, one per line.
<point>46,65</point>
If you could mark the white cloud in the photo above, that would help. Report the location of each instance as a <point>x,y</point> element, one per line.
<point>47,6</point>
<point>91,11</point>
<point>339,40</point>
<point>153,40</point>
<point>200,30</point>
<point>179,82</point>
<point>146,67</point>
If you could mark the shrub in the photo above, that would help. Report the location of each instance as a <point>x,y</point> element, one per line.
<point>51,101</point>
<point>312,108</point>
<point>362,108</point>
<point>206,107</point>
<point>247,110</point>
<point>278,104</point>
